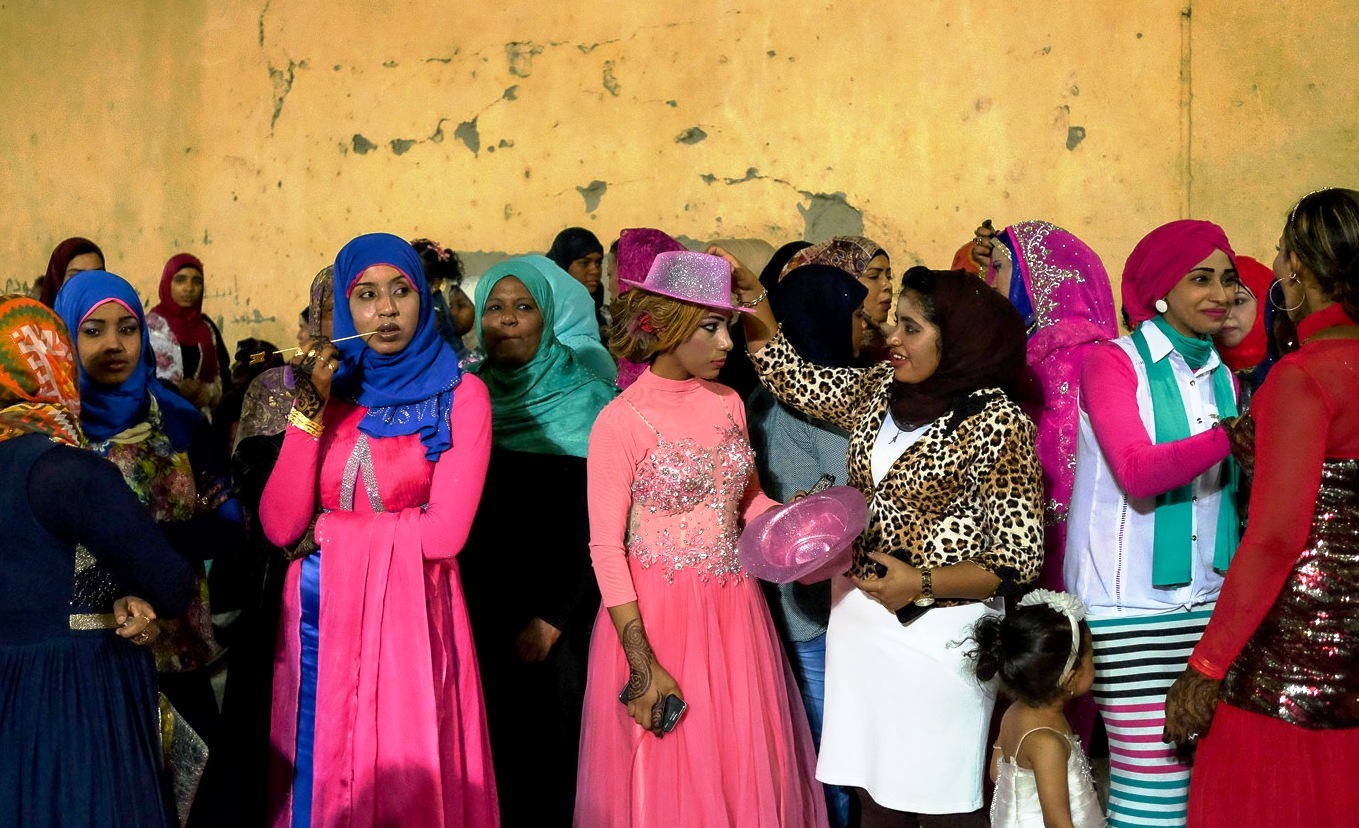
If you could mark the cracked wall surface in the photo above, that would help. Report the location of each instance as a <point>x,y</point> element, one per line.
<point>263,136</point>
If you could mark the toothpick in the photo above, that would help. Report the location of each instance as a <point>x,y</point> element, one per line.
<point>259,356</point>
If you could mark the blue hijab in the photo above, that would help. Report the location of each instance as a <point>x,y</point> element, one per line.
<point>410,392</point>
<point>108,410</point>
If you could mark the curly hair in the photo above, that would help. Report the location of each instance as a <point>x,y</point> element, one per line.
<point>1323,232</point>
<point>671,322</point>
<point>440,263</point>
<point>1028,649</point>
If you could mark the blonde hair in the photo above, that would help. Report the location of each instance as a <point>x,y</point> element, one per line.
<point>671,320</point>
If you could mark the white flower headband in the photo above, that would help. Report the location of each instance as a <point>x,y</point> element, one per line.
<point>1070,606</point>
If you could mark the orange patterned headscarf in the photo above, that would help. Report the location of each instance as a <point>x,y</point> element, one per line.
<point>39,392</point>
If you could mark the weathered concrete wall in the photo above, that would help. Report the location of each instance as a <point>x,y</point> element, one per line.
<point>262,137</point>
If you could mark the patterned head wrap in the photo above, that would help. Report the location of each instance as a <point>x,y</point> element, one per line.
<point>39,393</point>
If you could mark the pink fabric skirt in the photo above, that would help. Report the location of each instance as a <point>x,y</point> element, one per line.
<point>1258,770</point>
<point>741,756</point>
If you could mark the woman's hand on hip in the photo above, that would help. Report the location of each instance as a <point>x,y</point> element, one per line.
<point>899,587</point>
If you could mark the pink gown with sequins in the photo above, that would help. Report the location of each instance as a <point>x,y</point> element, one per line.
<point>672,481</point>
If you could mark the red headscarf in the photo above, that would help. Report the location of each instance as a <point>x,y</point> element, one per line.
<point>188,324</point>
<point>60,260</point>
<point>1163,258</point>
<point>1255,277</point>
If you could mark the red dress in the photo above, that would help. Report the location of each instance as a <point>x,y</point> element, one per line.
<point>1284,741</point>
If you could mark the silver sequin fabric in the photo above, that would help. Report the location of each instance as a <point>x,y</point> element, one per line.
<point>685,501</point>
<point>1302,663</point>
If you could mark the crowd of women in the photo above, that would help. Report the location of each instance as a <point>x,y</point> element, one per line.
<point>473,561</point>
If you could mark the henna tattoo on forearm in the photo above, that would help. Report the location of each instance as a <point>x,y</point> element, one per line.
<point>637,650</point>
<point>309,401</point>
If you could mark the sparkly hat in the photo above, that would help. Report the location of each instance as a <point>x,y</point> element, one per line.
<point>690,277</point>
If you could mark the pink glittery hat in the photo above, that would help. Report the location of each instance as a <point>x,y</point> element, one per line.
<point>807,540</point>
<point>690,277</point>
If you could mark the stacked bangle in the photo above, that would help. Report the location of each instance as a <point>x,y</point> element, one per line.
<point>764,294</point>
<point>305,423</point>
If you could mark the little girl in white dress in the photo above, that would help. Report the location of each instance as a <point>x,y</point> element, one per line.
<point>1044,658</point>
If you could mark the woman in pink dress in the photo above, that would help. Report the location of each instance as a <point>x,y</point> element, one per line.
<point>671,481</point>
<point>378,715</point>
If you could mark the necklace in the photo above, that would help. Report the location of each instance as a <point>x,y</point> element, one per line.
<point>902,426</point>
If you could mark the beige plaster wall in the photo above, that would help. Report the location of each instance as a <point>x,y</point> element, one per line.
<point>262,136</point>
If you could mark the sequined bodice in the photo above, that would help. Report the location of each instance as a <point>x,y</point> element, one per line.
<point>685,505</point>
<point>1302,663</point>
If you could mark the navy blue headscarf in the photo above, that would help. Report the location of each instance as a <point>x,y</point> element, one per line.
<point>815,305</point>
<point>409,392</point>
<point>107,410</point>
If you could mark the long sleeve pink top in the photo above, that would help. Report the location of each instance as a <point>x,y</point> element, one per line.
<point>1142,467</point>
<point>628,433</point>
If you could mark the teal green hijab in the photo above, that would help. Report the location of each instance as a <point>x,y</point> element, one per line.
<point>548,405</point>
<point>576,325</point>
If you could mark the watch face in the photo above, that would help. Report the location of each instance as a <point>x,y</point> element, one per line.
<point>924,601</point>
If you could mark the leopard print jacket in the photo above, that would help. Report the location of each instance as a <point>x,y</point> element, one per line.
<point>968,490</point>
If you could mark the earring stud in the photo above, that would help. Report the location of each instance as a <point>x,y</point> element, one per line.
<point>1161,306</point>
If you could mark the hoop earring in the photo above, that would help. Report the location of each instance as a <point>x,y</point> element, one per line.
<point>1161,306</point>
<point>1278,307</point>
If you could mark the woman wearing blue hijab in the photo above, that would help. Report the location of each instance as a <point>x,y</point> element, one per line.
<point>164,449</point>
<point>379,477</point>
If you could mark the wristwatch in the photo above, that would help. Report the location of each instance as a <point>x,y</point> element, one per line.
<point>926,596</point>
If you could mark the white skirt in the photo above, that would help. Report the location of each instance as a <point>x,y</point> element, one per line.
<point>905,718</point>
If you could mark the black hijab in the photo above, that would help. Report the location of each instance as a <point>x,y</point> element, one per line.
<point>982,340</point>
<point>815,305</point>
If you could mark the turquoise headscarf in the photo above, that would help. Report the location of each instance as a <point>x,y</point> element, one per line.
<point>576,326</point>
<point>548,405</point>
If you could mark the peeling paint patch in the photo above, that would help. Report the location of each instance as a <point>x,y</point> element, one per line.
<point>672,103</point>
<point>505,143</point>
<point>362,145</point>
<point>708,178</point>
<point>467,133</point>
<point>400,146</point>
<point>692,135</point>
<point>282,80</point>
<point>830,214</point>
<point>264,11</point>
<point>438,136</point>
<point>587,48</point>
<point>771,53</point>
<point>752,174</point>
<point>511,93</point>
<point>610,80</point>
<point>592,193</point>
<point>1074,135</point>
<point>206,238</point>
<point>390,64</point>
<point>255,318</point>
<point>1075,90</point>
<point>439,60</point>
<point>520,54</point>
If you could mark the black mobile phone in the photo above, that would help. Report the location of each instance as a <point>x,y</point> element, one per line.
<point>674,709</point>
<point>823,483</point>
<point>670,715</point>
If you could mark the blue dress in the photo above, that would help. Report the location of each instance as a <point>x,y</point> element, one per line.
<point>78,706</point>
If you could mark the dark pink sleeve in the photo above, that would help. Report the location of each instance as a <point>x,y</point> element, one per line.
<point>289,499</point>
<point>609,468</point>
<point>1291,426</point>
<point>1141,467</point>
<point>460,474</point>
